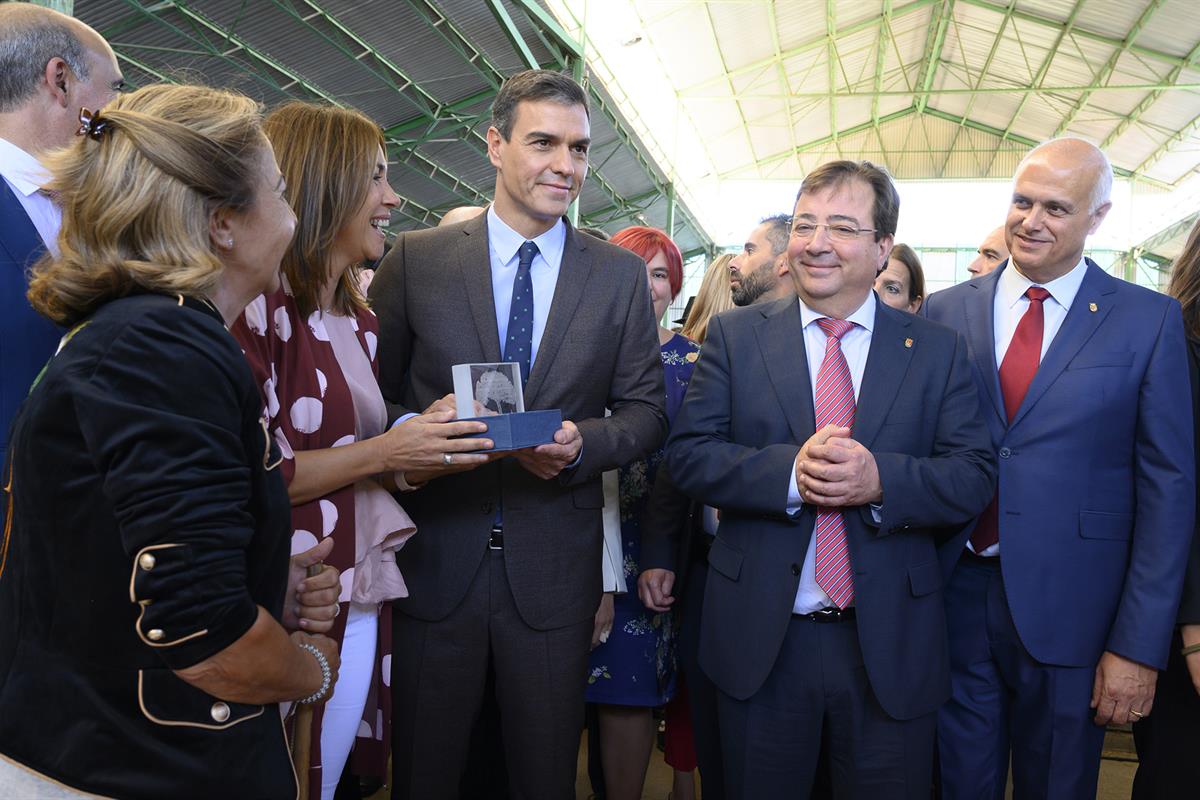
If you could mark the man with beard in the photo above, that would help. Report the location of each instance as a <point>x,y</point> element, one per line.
<point>759,273</point>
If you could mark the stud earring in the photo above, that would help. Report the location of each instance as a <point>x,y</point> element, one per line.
<point>229,244</point>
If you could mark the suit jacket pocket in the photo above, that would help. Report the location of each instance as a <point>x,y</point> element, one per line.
<point>166,699</point>
<point>925,578</point>
<point>725,559</point>
<point>1105,525</point>
<point>1102,358</point>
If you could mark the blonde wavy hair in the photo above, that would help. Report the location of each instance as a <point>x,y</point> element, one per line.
<point>1185,282</point>
<point>327,157</point>
<point>137,198</point>
<point>714,297</point>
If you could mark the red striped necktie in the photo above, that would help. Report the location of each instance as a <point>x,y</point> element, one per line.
<point>834,406</point>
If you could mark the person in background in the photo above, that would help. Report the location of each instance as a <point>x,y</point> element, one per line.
<point>460,214</point>
<point>901,282</point>
<point>597,232</point>
<point>633,671</point>
<point>1168,740</point>
<point>312,345</point>
<point>714,297</point>
<point>145,572</point>
<point>991,254</point>
<point>51,66</point>
<point>1062,600</point>
<point>760,271</point>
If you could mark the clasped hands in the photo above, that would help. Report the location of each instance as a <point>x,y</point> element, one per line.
<point>835,471</point>
<point>429,436</point>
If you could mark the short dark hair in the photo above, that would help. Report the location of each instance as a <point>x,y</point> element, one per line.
<point>534,85</point>
<point>29,37</point>
<point>779,229</point>
<point>885,209</point>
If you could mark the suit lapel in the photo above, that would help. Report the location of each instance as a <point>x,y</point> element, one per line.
<point>980,312</point>
<point>887,362</point>
<point>568,291</point>
<point>1080,323</point>
<point>475,268</point>
<point>18,236</point>
<point>781,341</point>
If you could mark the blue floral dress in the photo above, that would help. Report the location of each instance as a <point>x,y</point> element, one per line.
<point>636,666</point>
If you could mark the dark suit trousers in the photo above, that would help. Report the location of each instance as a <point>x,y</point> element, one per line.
<point>1003,699</point>
<point>1168,741</point>
<point>818,690</point>
<point>702,694</point>
<point>439,674</point>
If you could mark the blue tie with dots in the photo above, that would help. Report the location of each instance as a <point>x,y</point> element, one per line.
<point>519,344</point>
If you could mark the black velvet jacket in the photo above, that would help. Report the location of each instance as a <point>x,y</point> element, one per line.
<point>147,522</point>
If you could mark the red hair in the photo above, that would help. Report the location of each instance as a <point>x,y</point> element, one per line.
<point>646,242</point>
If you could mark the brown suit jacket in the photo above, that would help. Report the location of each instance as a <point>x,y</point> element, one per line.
<point>433,297</point>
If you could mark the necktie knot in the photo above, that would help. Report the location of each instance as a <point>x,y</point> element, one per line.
<point>527,252</point>
<point>837,328</point>
<point>1036,294</point>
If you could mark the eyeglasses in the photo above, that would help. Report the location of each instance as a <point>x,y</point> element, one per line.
<point>842,233</point>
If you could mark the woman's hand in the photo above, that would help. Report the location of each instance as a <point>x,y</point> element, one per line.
<point>423,447</point>
<point>1190,634</point>
<point>312,603</point>
<point>329,649</point>
<point>602,626</point>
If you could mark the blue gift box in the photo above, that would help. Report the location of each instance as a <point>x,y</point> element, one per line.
<point>517,431</point>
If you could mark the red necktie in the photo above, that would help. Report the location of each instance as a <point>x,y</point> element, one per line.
<point>1016,373</point>
<point>834,406</point>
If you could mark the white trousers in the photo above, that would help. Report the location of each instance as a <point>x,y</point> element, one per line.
<point>343,712</point>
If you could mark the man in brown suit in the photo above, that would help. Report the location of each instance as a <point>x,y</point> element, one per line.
<point>504,574</point>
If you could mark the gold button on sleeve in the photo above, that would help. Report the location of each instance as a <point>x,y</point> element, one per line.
<point>155,634</point>
<point>146,561</point>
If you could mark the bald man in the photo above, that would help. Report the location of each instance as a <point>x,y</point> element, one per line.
<point>990,254</point>
<point>50,66</point>
<point>1062,603</point>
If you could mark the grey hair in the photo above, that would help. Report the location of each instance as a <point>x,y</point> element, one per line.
<point>29,37</point>
<point>534,85</point>
<point>779,229</point>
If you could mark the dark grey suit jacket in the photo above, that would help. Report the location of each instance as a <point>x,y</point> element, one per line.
<point>433,297</point>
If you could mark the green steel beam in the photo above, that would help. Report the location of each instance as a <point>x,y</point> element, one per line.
<point>830,72</point>
<point>1183,133</point>
<point>809,45</point>
<point>1106,71</point>
<point>512,33</point>
<point>1043,68</point>
<point>745,124</point>
<point>1158,86</point>
<point>815,143</point>
<point>670,227</point>
<point>885,34</point>
<point>544,20</point>
<point>144,67</point>
<point>781,73</point>
<point>1149,100</point>
<point>578,67</point>
<point>987,65</point>
<point>1050,22</point>
<point>933,51</point>
<point>459,42</point>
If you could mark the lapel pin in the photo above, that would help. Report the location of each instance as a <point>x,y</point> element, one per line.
<point>908,342</point>
<point>1092,307</point>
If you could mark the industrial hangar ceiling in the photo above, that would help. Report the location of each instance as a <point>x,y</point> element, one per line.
<point>425,70</point>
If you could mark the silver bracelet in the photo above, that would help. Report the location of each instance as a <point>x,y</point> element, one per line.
<point>326,675</point>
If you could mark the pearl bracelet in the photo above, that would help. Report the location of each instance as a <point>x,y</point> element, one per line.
<point>326,675</point>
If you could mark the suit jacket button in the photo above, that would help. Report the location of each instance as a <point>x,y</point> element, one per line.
<point>1005,452</point>
<point>220,712</point>
<point>146,561</point>
<point>795,569</point>
<point>155,634</point>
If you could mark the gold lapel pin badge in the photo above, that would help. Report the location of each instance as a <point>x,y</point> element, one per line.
<point>908,342</point>
<point>1092,307</point>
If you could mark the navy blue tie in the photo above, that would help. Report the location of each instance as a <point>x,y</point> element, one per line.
<point>519,344</point>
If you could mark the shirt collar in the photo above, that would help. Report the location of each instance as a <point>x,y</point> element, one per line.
<point>1012,285</point>
<point>505,242</point>
<point>863,317</point>
<point>24,172</point>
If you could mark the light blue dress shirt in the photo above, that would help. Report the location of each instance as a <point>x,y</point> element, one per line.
<point>503,244</point>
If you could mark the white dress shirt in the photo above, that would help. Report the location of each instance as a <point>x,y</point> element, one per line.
<point>855,343</point>
<point>503,246</point>
<point>1010,304</point>
<point>25,175</point>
